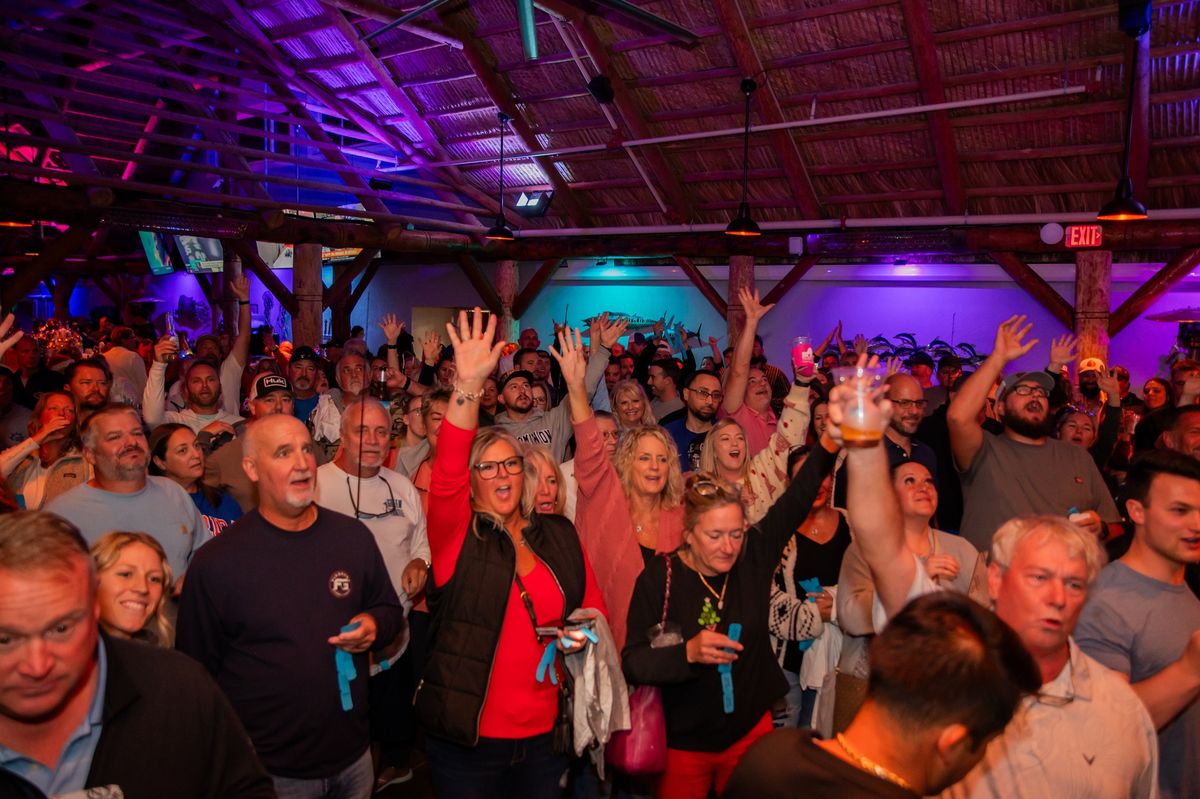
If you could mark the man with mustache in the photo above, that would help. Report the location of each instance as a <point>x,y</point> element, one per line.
<point>121,496</point>
<point>357,484</point>
<point>270,394</point>
<point>908,409</point>
<point>702,397</point>
<point>268,608</point>
<point>89,382</point>
<point>1021,471</point>
<point>302,374</point>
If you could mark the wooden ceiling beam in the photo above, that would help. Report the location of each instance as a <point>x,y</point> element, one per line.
<point>341,284</point>
<point>1023,24</point>
<point>71,242</point>
<point>1036,287</point>
<point>1137,57</point>
<point>298,28</point>
<point>500,92</point>
<point>253,261</point>
<point>803,264</point>
<point>840,54</point>
<point>1174,270</point>
<point>483,286</point>
<point>920,34</point>
<point>534,287</point>
<point>786,150</point>
<point>369,9</point>
<point>707,290</point>
<point>360,289</point>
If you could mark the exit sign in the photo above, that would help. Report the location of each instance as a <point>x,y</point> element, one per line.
<point>1084,236</point>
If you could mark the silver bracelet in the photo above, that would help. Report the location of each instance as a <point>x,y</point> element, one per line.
<point>467,395</point>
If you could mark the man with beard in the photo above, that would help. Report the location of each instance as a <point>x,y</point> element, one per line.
<point>552,428</point>
<point>702,397</point>
<point>201,391</point>
<point>88,381</point>
<point>223,470</point>
<point>908,409</point>
<point>31,377</point>
<point>1022,471</point>
<point>270,603</point>
<point>325,422</point>
<point>1090,399</point>
<point>121,496</point>
<point>208,348</point>
<point>357,484</point>
<point>302,374</point>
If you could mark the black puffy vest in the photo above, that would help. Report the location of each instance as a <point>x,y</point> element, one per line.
<point>468,612</point>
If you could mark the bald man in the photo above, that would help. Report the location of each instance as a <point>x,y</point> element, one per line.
<point>269,608</point>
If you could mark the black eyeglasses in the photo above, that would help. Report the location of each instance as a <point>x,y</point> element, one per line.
<point>489,470</point>
<point>1026,391</point>
<point>716,396</point>
<point>391,508</point>
<point>905,405</point>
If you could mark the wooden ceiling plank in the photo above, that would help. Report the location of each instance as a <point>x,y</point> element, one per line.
<point>1036,287</point>
<point>341,284</point>
<point>71,242</point>
<point>803,264</point>
<point>786,150</point>
<point>1174,270</point>
<point>707,290</point>
<point>920,33</point>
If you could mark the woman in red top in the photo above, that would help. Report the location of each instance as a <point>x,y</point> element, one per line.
<point>501,571</point>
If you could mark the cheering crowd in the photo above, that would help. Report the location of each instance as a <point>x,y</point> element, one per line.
<point>611,566</point>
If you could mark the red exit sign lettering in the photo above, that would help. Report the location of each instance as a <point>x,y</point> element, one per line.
<point>1084,236</point>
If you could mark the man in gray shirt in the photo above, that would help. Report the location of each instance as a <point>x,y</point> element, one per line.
<point>121,496</point>
<point>553,427</point>
<point>1022,471</point>
<point>1143,622</point>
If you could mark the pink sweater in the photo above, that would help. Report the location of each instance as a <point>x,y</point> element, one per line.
<point>606,529</point>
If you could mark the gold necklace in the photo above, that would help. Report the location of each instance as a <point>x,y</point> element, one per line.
<point>719,597</point>
<point>866,764</point>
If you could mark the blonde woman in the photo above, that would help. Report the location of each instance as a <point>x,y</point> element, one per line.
<point>545,491</point>
<point>132,576</point>
<point>631,406</point>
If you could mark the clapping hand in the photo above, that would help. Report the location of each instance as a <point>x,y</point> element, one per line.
<point>611,332</point>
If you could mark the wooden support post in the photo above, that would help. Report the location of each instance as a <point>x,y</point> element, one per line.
<point>487,294</point>
<point>1174,270</point>
<point>507,279</point>
<point>307,289</point>
<point>1036,287</point>
<point>1093,283</point>
<point>254,262</point>
<point>535,285</point>
<point>797,273</point>
<point>701,282</point>
<point>26,279</point>
<point>741,275</point>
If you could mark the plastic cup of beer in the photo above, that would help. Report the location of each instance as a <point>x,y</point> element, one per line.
<point>858,429</point>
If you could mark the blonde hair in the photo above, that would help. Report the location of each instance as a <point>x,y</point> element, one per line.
<point>1079,542</point>
<point>672,493</point>
<point>708,451</point>
<point>632,387</point>
<point>539,453</point>
<point>105,553</point>
<point>484,439</point>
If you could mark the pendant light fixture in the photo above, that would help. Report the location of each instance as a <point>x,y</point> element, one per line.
<point>742,224</point>
<point>501,231</point>
<point>1124,207</point>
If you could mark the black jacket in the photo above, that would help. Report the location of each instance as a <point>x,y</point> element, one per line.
<point>168,731</point>
<point>467,613</point>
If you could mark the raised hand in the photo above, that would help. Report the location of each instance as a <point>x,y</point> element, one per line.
<point>431,347</point>
<point>6,340</point>
<point>754,308</point>
<point>860,344</point>
<point>1109,385</point>
<point>166,349</point>
<point>871,414</point>
<point>893,365</point>
<point>392,327</point>
<point>240,288</point>
<point>1064,349</point>
<point>1010,339</point>
<point>611,332</point>
<point>570,357</point>
<point>475,354</point>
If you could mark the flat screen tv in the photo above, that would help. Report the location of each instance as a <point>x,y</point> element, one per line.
<point>201,255</point>
<point>158,252</point>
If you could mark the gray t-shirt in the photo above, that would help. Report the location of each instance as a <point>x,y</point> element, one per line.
<point>162,509</point>
<point>1138,626</point>
<point>1009,479</point>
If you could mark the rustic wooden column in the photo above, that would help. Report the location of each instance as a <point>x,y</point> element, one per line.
<point>1093,282</point>
<point>306,288</point>
<point>507,280</point>
<point>741,275</point>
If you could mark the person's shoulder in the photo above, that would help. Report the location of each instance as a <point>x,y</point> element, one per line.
<point>157,672</point>
<point>168,487</point>
<point>955,543</point>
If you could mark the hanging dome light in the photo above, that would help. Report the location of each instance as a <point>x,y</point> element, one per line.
<point>501,231</point>
<point>742,224</point>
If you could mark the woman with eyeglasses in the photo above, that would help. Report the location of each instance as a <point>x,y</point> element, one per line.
<point>505,580</point>
<point>628,508</point>
<point>49,462</point>
<point>175,453</point>
<point>712,655</point>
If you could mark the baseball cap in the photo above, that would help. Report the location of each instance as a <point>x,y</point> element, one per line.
<point>514,374</point>
<point>920,359</point>
<point>269,383</point>
<point>638,338</point>
<point>304,354</point>
<point>1043,379</point>
<point>1091,365</point>
<point>949,362</point>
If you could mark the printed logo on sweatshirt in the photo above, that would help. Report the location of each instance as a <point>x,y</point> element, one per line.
<point>537,437</point>
<point>339,584</point>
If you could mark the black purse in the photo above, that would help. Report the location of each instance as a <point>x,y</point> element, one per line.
<point>564,722</point>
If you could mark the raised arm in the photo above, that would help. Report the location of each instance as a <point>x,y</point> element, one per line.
<point>870,500</point>
<point>154,396</point>
<point>739,367</point>
<point>962,417</point>
<point>239,353</point>
<point>768,467</point>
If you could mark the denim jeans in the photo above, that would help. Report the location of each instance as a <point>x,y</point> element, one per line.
<point>355,781</point>
<point>798,704</point>
<point>523,768</point>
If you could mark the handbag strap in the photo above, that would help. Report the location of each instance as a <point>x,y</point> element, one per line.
<point>528,603</point>
<point>667,595</point>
